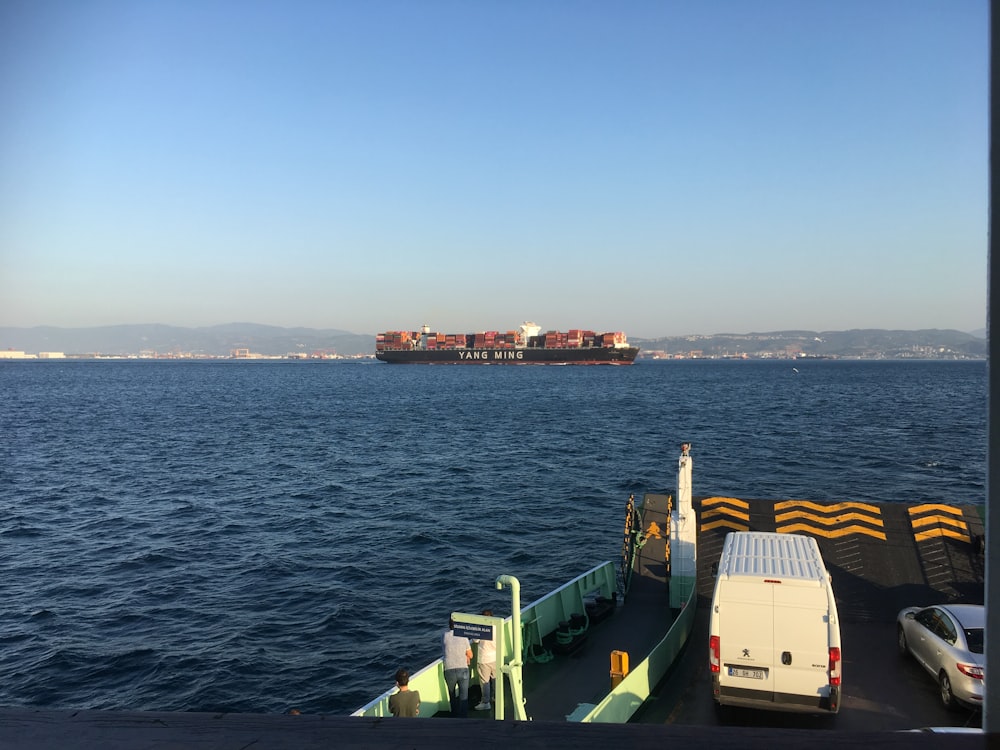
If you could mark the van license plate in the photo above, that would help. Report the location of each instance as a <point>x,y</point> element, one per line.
<point>753,674</point>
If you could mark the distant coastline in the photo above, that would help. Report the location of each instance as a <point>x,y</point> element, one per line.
<point>865,344</point>
<point>248,341</point>
<point>16,355</point>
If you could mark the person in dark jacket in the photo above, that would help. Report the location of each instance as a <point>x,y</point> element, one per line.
<point>405,702</point>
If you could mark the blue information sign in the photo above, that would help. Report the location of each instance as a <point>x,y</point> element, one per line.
<point>474,630</point>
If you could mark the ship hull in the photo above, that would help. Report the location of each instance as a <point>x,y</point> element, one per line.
<point>522,356</point>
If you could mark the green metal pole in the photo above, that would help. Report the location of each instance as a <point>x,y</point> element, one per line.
<point>513,668</point>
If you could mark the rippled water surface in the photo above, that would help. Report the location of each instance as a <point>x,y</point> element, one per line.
<point>252,536</point>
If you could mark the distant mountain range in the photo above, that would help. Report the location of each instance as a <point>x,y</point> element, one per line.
<point>856,343</point>
<point>218,340</point>
<point>221,340</point>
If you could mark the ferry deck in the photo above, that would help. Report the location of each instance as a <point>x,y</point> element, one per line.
<point>881,557</point>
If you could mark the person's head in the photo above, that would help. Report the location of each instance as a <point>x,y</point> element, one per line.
<point>402,677</point>
<point>451,624</point>
<point>488,613</point>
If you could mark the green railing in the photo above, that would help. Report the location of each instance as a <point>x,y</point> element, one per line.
<point>538,620</point>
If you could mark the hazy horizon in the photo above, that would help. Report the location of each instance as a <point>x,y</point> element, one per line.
<point>659,168</point>
<point>980,332</point>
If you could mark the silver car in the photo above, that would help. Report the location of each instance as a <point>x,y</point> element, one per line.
<point>947,641</point>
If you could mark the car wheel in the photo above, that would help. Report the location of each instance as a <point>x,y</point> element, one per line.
<point>901,641</point>
<point>947,697</point>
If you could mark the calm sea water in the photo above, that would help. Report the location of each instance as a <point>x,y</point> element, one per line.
<point>234,536</point>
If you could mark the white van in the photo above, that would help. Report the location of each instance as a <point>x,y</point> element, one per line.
<point>774,633</point>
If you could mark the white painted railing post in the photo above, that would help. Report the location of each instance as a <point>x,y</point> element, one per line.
<point>683,532</point>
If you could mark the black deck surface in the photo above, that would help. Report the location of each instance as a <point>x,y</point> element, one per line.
<point>881,558</point>
<point>555,689</point>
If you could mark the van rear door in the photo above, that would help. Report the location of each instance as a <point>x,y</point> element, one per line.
<point>746,641</point>
<point>801,644</point>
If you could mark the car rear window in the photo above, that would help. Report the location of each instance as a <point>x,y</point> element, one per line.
<point>974,637</point>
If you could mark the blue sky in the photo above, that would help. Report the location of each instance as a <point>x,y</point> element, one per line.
<point>661,168</point>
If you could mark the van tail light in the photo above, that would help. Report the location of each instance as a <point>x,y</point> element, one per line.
<point>971,670</point>
<point>713,654</point>
<point>834,665</point>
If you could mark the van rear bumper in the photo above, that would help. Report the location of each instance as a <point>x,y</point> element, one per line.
<point>788,702</point>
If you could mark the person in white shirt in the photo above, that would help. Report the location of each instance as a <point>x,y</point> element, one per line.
<point>457,657</point>
<point>486,664</point>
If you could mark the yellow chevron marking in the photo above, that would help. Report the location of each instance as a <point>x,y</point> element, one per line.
<point>928,520</point>
<point>725,511</point>
<point>925,535</point>
<point>827,508</point>
<point>832,534</point>
<point>724,523</point>
<point>829,521</point>
<point>916,509</point>
<point>728,500</point>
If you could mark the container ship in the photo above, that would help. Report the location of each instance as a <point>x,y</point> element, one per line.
<point>526,346</point>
